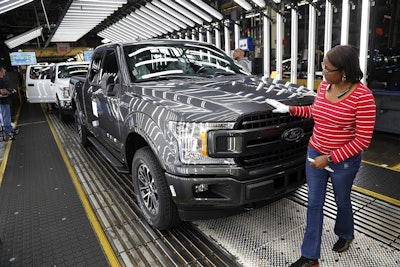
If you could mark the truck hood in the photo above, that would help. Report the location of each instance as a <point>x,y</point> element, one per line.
<point>222,98</point>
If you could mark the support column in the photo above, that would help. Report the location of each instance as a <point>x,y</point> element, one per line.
<point>344,36</point>
<point>365,11</point>
<point>311,47</point>
<point>267,45</point>
<point>294,46</point>
<point>328,26</point>
<point>227,36</point>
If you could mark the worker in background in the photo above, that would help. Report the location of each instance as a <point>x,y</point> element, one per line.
<point>5,102</point>
<point>238,55</point>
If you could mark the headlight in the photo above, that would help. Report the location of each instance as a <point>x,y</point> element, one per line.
<point>192,141</point>
<point>65,92</point>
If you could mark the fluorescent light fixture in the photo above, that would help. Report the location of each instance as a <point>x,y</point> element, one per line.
<point>6,6</point>
<point>23,38</point>
<point>173,13</point>
<point>194,10</point>
<point>139,27</point>
<point>105,40</point>
<point>155,21</point>
<point>244,4</point>
<point>157,17</point>
<point>82,16</point>
<point>260,3</point>
<point>139,20</point>
<point>166,16</point>
<point>208,8</point>
<point>183,11</point>
<point>130,27</point>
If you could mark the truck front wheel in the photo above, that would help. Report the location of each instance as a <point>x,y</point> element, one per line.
<point>152,191</point>
<point>82,131</point>
<point>61,114</point>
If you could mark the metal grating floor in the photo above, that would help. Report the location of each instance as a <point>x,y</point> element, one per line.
<point>272,235</point>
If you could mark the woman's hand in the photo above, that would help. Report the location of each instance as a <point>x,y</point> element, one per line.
<point>320,162</point>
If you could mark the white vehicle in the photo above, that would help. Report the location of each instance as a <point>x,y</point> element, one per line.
<point>60,76</point>
<point>37,84</point>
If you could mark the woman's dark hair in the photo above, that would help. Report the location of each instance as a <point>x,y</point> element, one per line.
<point>345,57</point>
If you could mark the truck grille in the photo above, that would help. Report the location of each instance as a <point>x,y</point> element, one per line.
<point>276,149</point>
<point>264,120</point>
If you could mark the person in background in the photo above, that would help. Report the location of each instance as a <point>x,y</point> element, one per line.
<point>238,55</point>
<point>5,102</point>
<point>344,117</point>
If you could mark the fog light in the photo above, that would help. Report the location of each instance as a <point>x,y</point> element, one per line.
<point>200,188</point>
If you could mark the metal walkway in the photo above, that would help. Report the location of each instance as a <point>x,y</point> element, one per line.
<point>268,236</point>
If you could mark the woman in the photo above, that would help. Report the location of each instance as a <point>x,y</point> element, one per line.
<point>344,117</point>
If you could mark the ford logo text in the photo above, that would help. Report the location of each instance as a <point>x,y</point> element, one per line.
<point>293,134</point>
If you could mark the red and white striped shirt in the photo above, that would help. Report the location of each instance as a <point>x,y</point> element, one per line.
<point>343,129</point>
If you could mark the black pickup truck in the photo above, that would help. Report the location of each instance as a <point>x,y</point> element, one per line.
<point>191,127</point>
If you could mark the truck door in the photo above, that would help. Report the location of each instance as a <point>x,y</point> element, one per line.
<point>38,88</point>
<point>108,99</point>
<point>91,86</point>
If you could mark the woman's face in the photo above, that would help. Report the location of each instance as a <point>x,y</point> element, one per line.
<point>330,72</point>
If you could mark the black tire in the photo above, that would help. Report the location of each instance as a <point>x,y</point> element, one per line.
<point>152,191</point>
<point>61,114</point>
<point>83,133</point>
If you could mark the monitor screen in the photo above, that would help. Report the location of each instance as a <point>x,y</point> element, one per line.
<point>22,58</point>
<point>87,55</point>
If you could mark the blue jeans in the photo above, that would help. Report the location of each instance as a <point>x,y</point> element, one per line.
<point>6,114</point>
<point>342,180</point>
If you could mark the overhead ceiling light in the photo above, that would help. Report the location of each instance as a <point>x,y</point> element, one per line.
<point>208,8</point>
<point>260,3</point>
<point>173,13</point>
<point>136,18</point>
<point>126,26</point>
<point>163,20</point>
<point>82,16</point>
<point>155,21</point>
<point>183,11</point>
<point>195,10</point>
<point>129,24</point>
<point>9,5</point>
<point>244,4</point>
<point>23,38</point>
<point>166,15</point>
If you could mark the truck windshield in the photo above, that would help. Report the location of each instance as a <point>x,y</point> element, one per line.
<point>149,61</point>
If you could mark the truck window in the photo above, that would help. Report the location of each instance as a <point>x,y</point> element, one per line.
<point>110,65</point>
<point>94,71</point>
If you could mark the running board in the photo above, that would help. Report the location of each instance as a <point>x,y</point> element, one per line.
<point>108,156</point>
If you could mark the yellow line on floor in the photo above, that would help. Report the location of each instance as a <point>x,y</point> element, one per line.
<point>7,150</point>
<point>111,257</point>
<point>376,195</point>
<point>4,161</point>
<point>395,168</point>
<point>31,123</point>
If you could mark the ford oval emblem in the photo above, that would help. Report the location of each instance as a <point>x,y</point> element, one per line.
<point>293,134</point>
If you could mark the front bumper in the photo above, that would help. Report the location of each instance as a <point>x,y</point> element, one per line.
<point>226,195</point>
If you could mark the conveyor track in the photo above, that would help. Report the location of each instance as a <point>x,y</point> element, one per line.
<point>135,242</point>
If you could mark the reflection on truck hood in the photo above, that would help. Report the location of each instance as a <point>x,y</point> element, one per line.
<point>221,98</point>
